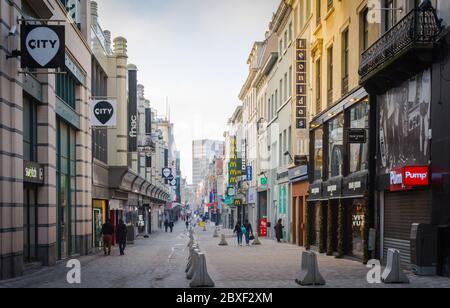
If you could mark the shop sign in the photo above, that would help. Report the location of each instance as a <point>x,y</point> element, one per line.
<point>104,113</point>
<point>132,111</point>
<point>301,84</point>
<point>237,202</point>
<point>406,178</point>
<point>231,191</point>
<point>43,46</point>
<point>33,173</point>
<point>264,181</point>
<point>249,173</point>
<point>263,227</point>
<point>252,195</point>
<point>357,136</point>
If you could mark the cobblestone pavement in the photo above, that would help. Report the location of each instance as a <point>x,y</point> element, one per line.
<point>160,262</point>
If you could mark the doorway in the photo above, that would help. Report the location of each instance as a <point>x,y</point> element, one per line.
<point>300,221</point>
<point>30,224</point>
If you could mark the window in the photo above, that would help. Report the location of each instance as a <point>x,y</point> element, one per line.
<point>336,146</point>
<point>281,48</point>
<point>290,81</point>
<point>281,92</point>
<point>318,86</point>
<point>289,146</point>
<point>285,87</point>
<point>330,75</point>
<point>359,153</point>
<point>276,101</point>
<point>73,7</point>
<point>285,39</point>
<point>329,4</point>
<point>290,32</point>
<point>65,89</point>
<point>390,17</point>
<point>29,130</point>
<point>318,12</point>
<point>345,62</point>
<point>280,149</point>
<point>269,110</point>
<point>318,154</point>
<point>364,30</point>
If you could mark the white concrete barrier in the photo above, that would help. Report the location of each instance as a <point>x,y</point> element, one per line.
<point>193,268</point>
<point>309,273</point>
<point>201,278</point>
<point>256,242</point>
<point>216,233</point>
<point>393,272</point>
<point>191,252</point>
<point>223,241</point>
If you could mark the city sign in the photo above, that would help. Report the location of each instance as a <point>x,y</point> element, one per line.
<point>42,46</point>
<point>166,173</point>
<point>103,113</point>
<point>173,182</point>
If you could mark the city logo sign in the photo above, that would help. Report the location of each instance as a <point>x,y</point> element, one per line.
<point>104,113</point>
<point>166,172</point>
<point>43,46</point>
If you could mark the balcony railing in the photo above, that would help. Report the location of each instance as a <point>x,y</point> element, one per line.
<point>418,27</point>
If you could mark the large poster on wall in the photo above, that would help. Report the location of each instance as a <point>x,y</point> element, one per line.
<point>405,124</point>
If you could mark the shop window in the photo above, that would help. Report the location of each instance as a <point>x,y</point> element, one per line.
<point>73,8</point>
<point>359,153</point>
<point>318,154</point>
<point>336,146</point>
<point>29,130</point>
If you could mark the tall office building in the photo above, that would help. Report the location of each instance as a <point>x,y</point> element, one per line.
<point>203,152</point>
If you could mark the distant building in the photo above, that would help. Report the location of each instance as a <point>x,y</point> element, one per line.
<point>203,152</point>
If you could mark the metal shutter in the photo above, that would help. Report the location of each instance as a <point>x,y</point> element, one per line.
<point>401,210</point>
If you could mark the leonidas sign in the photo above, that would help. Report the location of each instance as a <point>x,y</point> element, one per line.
<point>43,46</point>
<point>407,178</point>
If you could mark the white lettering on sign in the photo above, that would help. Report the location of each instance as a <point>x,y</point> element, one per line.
<point>416,176</point>
<point>31,172</point>
<point>315,190</point>
<point>396,178</point>
<point>354,185</point>
<point>332,188</point>
<point>42,44</point>
<point>133,131</point>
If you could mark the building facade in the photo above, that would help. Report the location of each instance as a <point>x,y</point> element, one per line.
<point>203,152</point>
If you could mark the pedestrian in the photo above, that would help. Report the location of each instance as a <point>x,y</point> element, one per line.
<point>166,225</point>
<point>121,234</point>
<point>238,229</point>
<point>107,232</point>
<point>249,232</point>
<point>171,225</point>
<point>187,224</point>
<point>279,230</point>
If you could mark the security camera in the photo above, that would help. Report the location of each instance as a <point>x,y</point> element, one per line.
<point>13,31</point>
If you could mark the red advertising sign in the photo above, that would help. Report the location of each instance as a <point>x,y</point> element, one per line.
<point>263,227</point>
<point>407,178</point>
<point>416,176</point>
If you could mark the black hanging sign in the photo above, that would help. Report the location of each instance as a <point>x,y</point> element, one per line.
<point>43,46</point>
<point>356,135</point>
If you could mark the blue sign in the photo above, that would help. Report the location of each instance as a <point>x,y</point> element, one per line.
<point>249,173</point>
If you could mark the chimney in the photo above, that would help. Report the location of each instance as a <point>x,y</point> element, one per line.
<point>94,13</point>
<point>120,46</point>
<point>140,91</point>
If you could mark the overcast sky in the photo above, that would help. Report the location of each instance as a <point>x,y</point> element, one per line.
<point>192,51</point>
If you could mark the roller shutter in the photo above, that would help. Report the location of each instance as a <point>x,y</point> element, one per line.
<point>401,210</point>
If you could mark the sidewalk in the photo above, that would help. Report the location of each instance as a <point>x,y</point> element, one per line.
<point>274,265</point>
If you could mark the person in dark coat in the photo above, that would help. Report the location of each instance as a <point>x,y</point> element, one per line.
<point>121,234</point>
<point>166,225</point>
<point>171,225</point>
<point>238,230</point>
<point>279,230</point>
<point>249,229</point>
<point>107,232</point>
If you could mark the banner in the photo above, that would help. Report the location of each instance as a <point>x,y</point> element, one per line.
<point>301,112</point>
<point>132,111</point>
<point>104,113</point>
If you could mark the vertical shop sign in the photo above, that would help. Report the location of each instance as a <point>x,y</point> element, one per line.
<point>301,75</point>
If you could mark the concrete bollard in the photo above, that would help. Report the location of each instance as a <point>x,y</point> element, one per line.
<point>216,233</point>
<point>193,267</point>
<point>309,273</point>
<point>256,242</point>
<point>393,272</point>
<point>223,241</point>
<point>191,252</point>
<point>201,277</point>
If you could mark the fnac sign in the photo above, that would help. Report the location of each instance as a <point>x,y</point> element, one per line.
<point>406,178</point>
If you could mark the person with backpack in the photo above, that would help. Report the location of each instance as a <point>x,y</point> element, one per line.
<point>249,232</point>
<point>239,230</point>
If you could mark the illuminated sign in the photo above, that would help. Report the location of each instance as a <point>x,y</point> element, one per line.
<point>301,85</point>
<point>33,173</point>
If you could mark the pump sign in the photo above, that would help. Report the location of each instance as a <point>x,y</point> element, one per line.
<point>406,178</point>
<point>43,46</point>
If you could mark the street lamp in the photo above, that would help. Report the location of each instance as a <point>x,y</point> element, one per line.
<point>287,153</point>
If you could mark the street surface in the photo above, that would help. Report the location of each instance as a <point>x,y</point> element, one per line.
<point>160,261</point>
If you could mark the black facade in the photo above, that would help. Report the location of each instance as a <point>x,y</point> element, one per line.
<point>340,206</point>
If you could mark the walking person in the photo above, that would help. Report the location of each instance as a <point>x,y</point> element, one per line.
<point>187,223</point>
<point>107,232</point>
<point>238,229</point>
<point>279,230</point>
<point>121,234</point>
<point>171,225</point>
<point>248,233</point>
<point>166,225</point>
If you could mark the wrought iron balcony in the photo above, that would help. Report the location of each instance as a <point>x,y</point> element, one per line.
<point>403,51</point>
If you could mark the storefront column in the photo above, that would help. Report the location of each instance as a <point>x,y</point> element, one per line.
<point>340,230</point>
<point>322,229</point>
<point>307,227</point>
<point>330,228</point>
<point>366,231</point>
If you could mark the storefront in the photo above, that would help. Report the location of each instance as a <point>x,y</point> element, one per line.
<point>298,178</point>
<point>339,197</point>
<point>262,218</point>
<point>99,209</point>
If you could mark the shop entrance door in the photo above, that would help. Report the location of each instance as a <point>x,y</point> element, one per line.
<point>97,227</point>
<point>294,220</point>
<point>30,223</point>
<point>300,222</point>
